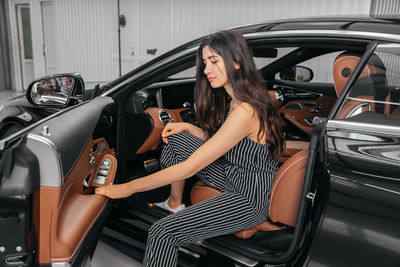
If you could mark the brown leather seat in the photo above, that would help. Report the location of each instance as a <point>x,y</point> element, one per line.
<point>284,196</point>
<point>396,113</point>
<point>371,84</point>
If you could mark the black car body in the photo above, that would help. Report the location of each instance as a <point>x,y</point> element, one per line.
<point>22,111</point>
<point>347,117</point>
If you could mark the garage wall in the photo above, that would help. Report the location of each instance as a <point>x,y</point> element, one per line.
<point>5,66</point>
<point>389,9</point>
<point>86,31</point>
<point>195,18</point>
<point>82,34</point>
<point>175,22</point>
<point>164,24</point>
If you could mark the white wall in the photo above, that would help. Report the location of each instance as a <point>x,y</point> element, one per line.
<point>87,30</point>
<point>84,38</point>
<point>165,24</point>
<point>196,18</point>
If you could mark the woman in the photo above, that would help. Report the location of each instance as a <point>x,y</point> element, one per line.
<point>234,150</point>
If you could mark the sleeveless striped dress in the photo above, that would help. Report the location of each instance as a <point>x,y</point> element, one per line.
<point>243,174</point>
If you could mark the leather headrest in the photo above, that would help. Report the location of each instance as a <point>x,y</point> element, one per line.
<point>345,64</point>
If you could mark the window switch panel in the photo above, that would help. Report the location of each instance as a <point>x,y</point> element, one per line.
<point>106,170</point>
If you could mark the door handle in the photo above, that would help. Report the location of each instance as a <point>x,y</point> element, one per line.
<point>152,51</point>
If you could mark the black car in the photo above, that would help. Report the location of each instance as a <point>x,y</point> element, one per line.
<point>335,200</point>
<point>50,95</point>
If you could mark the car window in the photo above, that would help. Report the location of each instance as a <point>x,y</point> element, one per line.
<point>321,67</point>
<point>259,61</point>
<point>377,89</point>
<point>264,61</point>
<point>188,73</point>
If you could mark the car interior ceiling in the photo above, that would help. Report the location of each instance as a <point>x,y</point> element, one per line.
<point>135,126</point>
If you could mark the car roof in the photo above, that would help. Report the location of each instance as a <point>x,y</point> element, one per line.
<point>355,23</point>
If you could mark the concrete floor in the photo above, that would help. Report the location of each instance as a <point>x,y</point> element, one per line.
<point>105,256</point>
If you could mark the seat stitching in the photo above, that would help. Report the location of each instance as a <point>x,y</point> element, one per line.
<point>273,189</point>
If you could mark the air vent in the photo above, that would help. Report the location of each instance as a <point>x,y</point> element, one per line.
<point>164,116</point>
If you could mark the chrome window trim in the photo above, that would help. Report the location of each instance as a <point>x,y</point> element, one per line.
<point>170,83</point>
<point>327,33</point>
<point>374,101</point>
<point>364,127</point>
<point>359,109</point>
<point>366,184</point>
<point>60,264</point>
<point>50,166</point>
<point>273,34</point>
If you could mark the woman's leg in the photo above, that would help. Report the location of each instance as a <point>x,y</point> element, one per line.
<point>179,148</point>
<point>223,214</point>
<point>176,194</point>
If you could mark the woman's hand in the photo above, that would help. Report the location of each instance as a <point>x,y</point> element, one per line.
<point>115,191</point>
<point>173,128</point>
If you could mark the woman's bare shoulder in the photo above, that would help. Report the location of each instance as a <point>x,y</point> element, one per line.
<point>245,108</point>
<point>248,117</point>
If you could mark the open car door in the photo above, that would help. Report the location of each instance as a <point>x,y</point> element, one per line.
<point>362,163</point>
<point>49,212</point>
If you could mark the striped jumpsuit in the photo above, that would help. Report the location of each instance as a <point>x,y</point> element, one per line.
<point>245,178</point>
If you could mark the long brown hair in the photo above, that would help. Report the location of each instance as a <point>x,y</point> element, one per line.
<point>247,84</point>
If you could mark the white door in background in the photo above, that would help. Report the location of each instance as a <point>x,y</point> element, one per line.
<point>129,37</point>
<point>146,35</point>
<point>49,37</point>
<point>155,30</point>
<point>25,53</point>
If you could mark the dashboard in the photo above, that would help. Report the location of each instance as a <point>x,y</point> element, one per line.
<point>151,108</point>
<point>169,95</point>
<point>173,101</point>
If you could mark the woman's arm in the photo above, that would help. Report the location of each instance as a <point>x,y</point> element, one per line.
<point>196,131</point>
<point>178,127</point>
<point>239,124</point>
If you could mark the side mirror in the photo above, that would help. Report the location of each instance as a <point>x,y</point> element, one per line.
<point>56,90</point>
<point>297,73</point>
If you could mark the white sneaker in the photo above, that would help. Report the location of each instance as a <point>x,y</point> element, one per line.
<point>165,206</point>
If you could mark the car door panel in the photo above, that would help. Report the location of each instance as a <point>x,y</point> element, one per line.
<point>154,139</point>
<point>65,215</point>
<point>79,207</point>
<point>64,210</point>
<point>301,112</point>
<point>65,129</point>
<point>361,215</point>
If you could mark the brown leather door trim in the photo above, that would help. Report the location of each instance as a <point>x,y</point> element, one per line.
<point>45,199</point>
<point>300,117</point>
<point>72,222</point>
<point>154,139</point>
<point>62,217</point>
